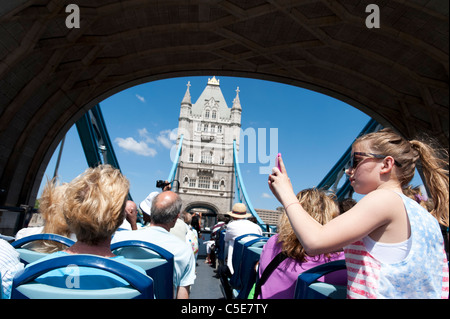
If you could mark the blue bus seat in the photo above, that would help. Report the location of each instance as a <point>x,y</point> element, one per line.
<point>28,256</point>
<point>157,262</point>
<point>238,251</point>
<point>248,271</point>
<point>24,287</point>
<point>221,247</point>
<point>308,287</point>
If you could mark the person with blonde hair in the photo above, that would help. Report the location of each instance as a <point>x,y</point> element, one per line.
<point>50,209</point>
<point>281,282</point>
<point>393,246</point>
<point>94,208</point>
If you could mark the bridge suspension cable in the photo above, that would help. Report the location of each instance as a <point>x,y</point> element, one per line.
<point>242,195</point>
<point>174,168</point>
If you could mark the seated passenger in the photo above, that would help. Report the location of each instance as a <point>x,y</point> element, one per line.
<point>210,244</point>
<point>50,209</point>
<point>94,208</point>
<point>9,265</point>
<point>191,236</point>
<point>239,225</point>
<point>281,282</point>
<point>165,210</point>
<point>130,221</point>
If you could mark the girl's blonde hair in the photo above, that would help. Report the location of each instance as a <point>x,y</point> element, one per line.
<point>50,207</point>
<point>94,205</point>
<point>411,154</point>
<point>320,206</point>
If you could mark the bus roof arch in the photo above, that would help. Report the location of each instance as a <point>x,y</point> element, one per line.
<point>51,75</point>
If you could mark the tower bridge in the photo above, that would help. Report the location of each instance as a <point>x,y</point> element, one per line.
<point>205,169</point>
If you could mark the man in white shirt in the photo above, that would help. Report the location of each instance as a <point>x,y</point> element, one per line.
<point>9,266</point>
<point>237,227</point>
<point>165,210</point>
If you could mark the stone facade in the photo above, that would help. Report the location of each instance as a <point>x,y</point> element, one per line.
<point>205,170</point>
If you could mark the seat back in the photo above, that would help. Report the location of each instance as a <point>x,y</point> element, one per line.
<point>308,287</point>
<point>157,262</point>
<point>221,246</point>
<point>28,256</point>
<point>250,257</point>
<point>24,287</point>
<point>238,250</point>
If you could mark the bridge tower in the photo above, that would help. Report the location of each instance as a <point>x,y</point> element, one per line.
<point>205,169</point>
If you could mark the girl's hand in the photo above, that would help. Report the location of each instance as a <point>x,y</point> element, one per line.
<point>280,185</point>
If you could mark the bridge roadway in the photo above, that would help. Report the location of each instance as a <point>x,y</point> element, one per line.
<point>206,286</point>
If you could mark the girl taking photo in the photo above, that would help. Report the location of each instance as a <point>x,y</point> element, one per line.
<point>393,246</point>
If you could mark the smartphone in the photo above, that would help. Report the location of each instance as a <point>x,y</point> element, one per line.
<point>277,161</point>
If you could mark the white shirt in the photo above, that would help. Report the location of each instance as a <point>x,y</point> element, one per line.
<point>180,229</point>
<point>235,229</point>
<point>9,266</point>
<point>389,253</point>
<point>28,231</point>
<point>184,262</point>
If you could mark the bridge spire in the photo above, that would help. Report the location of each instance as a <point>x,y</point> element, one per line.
<point>187,95</point>
<point>236,101</point>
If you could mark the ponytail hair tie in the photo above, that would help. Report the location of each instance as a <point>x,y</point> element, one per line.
<point>420,198</point>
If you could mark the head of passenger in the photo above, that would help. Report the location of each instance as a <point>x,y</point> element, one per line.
<point>94,205</point>
<point>50,208</point>
<point>166,208</point>
<point>320,206</point>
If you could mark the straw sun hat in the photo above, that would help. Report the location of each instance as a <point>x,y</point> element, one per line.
<point>239,211</point>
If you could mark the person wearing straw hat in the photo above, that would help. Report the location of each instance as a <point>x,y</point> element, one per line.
<point>237,227</point>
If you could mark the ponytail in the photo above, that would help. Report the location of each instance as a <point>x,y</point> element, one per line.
<point>412,154</point>
<point>434,167</point>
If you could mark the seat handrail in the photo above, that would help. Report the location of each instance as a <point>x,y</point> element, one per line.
<point>256,240</point>
<point>136,279</point>
<point>246,235</point>
<point>144,244</point>
<point>309,276</point>
<point>46,236</point>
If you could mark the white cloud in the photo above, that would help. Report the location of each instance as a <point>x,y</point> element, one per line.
<point>266,195</point>
<point>140,98</point>
<point>145,135</point>
<point>145,138</point>
<point>140,148</point>
<point>166,137</point>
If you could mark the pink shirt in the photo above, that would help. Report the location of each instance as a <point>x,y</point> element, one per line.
<point>282,281</point>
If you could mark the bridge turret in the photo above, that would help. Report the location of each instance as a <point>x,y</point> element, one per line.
<point>186,104</point>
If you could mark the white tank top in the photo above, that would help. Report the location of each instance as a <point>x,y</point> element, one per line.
<point>386,252</point>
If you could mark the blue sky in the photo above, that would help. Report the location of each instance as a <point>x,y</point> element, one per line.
<point>313,132</point>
